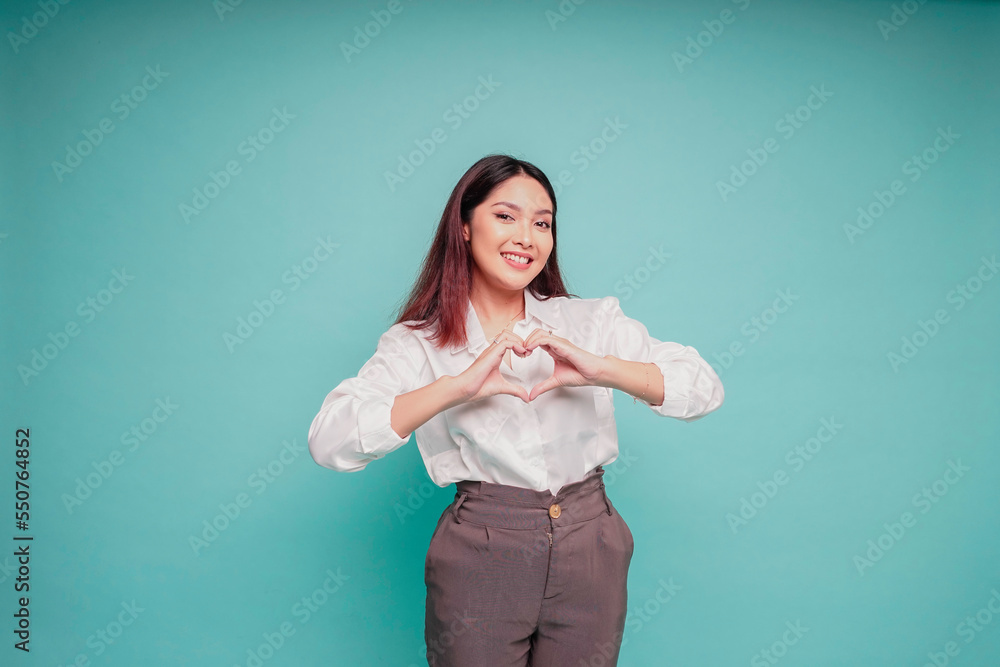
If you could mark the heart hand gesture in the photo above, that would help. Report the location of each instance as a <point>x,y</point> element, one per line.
<point>483,378</point>
<point>574,367</point>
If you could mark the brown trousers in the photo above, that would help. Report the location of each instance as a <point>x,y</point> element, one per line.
<point>518,577</point>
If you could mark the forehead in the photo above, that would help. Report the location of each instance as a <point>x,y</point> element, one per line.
<point>521,192</point>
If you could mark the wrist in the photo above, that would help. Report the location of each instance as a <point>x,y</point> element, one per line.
<point>640,380</point>
<point>452,390</point>
<point>609,374</point>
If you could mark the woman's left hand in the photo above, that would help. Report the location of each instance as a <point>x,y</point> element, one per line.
<point>574,367</point>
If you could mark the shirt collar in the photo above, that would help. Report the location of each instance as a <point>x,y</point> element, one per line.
<point>540,313</point>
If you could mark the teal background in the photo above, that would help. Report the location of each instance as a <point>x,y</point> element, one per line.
<point>323,176</point>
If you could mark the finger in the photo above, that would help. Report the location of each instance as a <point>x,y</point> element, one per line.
<point>510,332</point>
<point>515,390</point>
<point>511,340</point>
<point>534,336</point>
<point>542,387</point>
<point>502,342</point>
<point>495,353</point>
<point>540,337</point>
<point>556,347</point>
<point>505,334</point>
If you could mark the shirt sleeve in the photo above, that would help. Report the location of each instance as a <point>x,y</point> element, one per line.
<point>691,387</point>
<point>352,427</point>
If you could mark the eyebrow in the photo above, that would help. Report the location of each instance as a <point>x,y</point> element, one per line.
<point>518,208</point>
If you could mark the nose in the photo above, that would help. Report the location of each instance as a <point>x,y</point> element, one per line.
<point>523,234</point>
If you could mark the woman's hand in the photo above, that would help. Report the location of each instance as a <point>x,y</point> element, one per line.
<point>574,367</point>
<point>483,379</point>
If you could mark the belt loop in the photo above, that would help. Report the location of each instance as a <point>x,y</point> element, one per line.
<point>454,510</point>
<point>607,502</point>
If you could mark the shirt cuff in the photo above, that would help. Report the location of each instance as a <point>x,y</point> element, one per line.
<point>674,404</point>
<point>688,395</point>
<point>374,427</point>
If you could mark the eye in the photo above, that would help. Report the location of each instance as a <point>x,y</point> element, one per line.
<point>504,216</point>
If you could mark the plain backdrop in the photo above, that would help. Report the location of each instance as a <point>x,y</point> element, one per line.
<point>821,178</point>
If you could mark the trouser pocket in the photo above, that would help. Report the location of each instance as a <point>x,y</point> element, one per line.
<point>442,523</point>
<point>625,531</point>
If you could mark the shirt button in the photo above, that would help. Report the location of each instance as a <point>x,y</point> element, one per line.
<point>555,510</point>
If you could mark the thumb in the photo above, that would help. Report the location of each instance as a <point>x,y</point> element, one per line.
<point>492,356</point>
<point>515,390</point>
<point>545,385</point>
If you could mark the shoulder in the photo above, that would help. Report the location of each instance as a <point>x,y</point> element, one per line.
<point>600,307</point>
<point>401,339</point>
<point>582,314</point>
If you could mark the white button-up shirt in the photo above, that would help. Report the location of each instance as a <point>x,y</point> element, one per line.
<point>553,440</point>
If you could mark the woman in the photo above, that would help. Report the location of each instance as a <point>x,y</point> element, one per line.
<point>506,382</point>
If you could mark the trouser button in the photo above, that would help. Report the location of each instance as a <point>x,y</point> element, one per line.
<point>555,510</point>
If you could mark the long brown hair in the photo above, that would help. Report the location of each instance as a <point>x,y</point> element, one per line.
<point>440,295</point>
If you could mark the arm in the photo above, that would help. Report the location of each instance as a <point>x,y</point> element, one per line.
<point>412,409</point>
<point>683,385</point>
<point>636,378</point>
<point>360,420</point>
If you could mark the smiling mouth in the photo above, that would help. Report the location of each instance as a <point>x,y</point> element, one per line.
<point>523,261</point>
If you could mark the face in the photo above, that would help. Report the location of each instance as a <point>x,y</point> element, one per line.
<point>515,219</point>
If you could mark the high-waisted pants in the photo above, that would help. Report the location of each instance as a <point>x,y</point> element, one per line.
<point>521,577</point>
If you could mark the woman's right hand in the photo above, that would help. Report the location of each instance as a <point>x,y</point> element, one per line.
<point>483,379</point>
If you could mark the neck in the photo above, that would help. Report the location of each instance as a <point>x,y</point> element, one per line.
<point>494,305</point>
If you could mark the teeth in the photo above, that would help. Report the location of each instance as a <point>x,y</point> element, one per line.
<point>519,260</point>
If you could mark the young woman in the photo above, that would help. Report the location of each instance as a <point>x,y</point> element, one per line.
<point>506,382</point>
